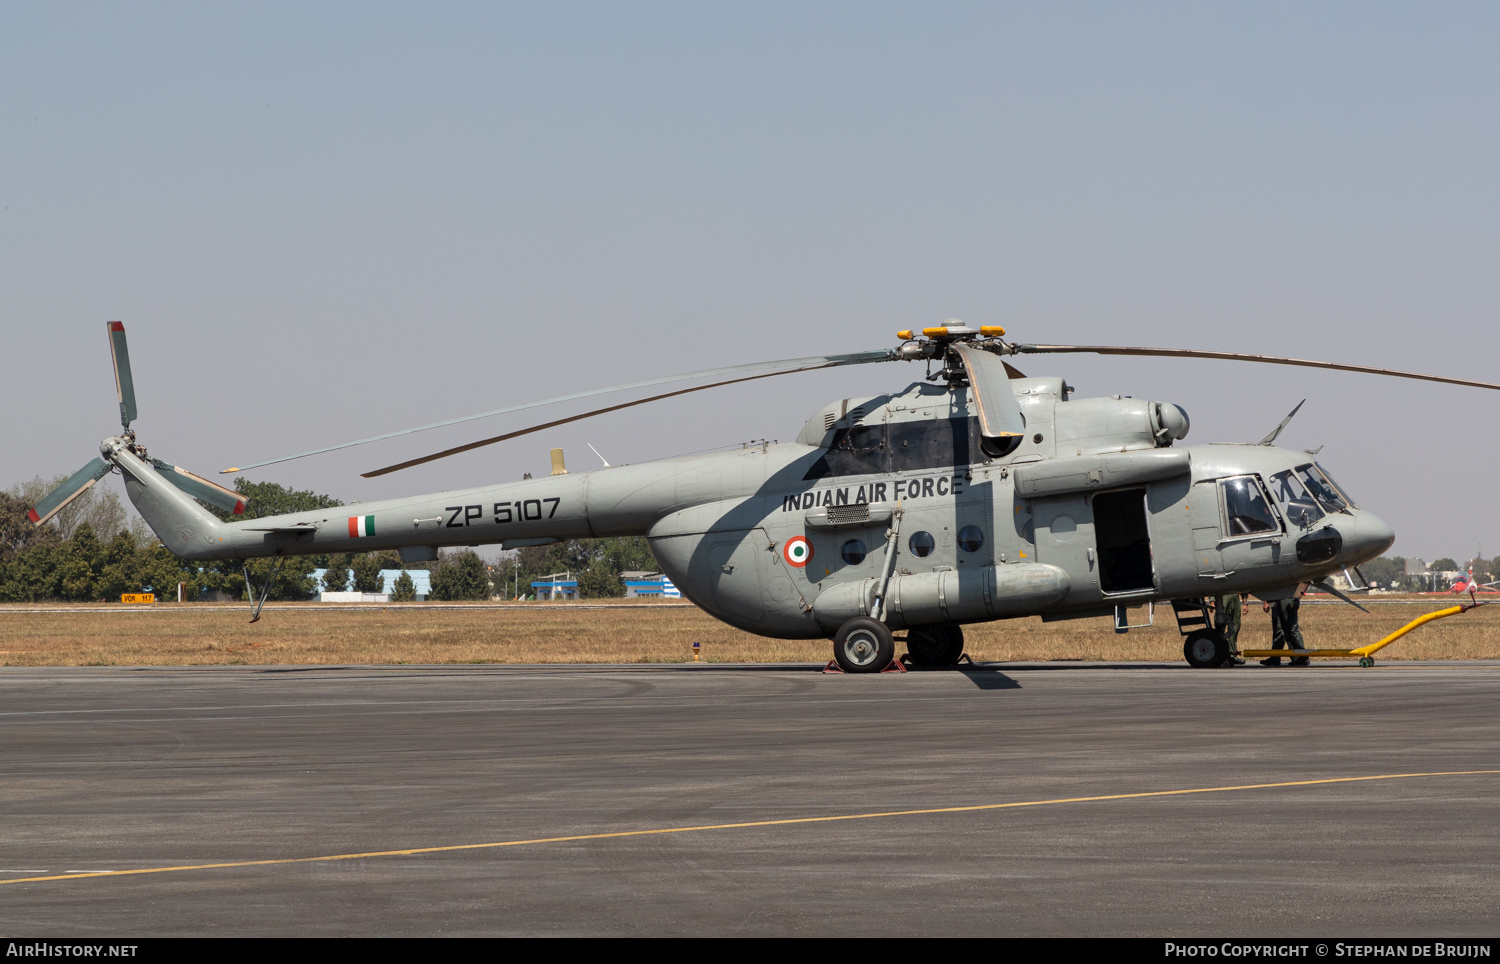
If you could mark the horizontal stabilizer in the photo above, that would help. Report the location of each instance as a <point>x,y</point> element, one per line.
<point>200,488</point>
<point>78,483</point>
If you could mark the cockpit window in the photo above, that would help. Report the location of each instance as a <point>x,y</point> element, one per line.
<point>1302,509</point>
<point>1343,493</point>
<point>1246,510</point>
<point>1322,488</point>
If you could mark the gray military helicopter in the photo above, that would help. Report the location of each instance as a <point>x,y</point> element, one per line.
<point>973,495</point>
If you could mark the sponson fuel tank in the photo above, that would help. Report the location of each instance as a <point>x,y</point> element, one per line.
<point>949,596</point>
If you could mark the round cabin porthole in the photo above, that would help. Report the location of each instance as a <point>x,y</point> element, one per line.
<point>922,544</point>
<point>970,539</point>
<point>854,552</point>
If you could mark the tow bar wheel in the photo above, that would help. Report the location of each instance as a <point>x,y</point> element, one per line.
<point>863,645</point>
<point>1206,649</point>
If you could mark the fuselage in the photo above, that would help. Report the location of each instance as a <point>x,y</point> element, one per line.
<point>1095,508</point>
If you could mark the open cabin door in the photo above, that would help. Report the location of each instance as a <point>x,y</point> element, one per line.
<point>1123,536</point>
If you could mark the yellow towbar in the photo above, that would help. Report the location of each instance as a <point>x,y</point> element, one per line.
<point>1366,654</point>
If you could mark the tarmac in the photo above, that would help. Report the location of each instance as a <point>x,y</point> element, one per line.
<point>1009,799</point>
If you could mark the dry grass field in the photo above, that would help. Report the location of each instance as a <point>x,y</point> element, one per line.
<point>641,633</point>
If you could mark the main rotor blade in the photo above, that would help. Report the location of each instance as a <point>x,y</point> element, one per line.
<point>124,383</point>
<point>1236,356</point>
<point>563,421</point>
<point>999,415</point>
<point>789,364</point>
<point>77,484</point>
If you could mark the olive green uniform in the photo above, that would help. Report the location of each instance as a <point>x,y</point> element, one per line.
<point>1227,619</point>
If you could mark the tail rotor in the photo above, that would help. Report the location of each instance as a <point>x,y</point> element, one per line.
<point>81,481</point>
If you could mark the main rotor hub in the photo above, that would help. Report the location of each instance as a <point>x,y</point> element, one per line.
<point>936,344</point>
<point>933,343</point>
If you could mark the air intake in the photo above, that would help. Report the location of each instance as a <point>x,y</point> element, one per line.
<point>843,515</point>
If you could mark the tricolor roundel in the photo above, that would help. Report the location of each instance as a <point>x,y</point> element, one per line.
<point>797,551</point>
<point>361,525</point>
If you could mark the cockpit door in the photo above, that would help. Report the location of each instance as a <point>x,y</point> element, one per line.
<point>1203,509</point>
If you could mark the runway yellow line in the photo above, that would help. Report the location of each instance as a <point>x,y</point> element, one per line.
<point>740,826</point>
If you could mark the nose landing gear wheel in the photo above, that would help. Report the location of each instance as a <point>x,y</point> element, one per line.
<point>863,645</point>
<point>1206,649</point>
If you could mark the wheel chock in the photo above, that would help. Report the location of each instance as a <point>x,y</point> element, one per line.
<point>896,667</point>
<point>907,664</point>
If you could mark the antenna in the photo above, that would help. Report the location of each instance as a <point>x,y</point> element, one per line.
<point>596,452</point>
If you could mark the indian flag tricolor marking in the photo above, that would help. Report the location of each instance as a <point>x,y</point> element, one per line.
<point>361,525</point>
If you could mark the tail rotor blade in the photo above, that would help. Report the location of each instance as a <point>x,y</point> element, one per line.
<point>124,384</point>
<point>200,488</point>
<point>77,484</point>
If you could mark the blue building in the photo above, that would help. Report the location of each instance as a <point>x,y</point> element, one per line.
<point>649,585</point>
<point>556,587</point>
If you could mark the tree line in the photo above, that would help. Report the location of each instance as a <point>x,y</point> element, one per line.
<point>94,550</point>
<point>1389,572</point>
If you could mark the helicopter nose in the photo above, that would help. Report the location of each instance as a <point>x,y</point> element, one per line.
<point>1367,538</point>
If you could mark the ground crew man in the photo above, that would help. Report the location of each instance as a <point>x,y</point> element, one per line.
<point>1227,611</point>
<point>1285,633</point>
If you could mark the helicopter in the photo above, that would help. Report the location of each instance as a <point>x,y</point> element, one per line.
<point>975,494</point>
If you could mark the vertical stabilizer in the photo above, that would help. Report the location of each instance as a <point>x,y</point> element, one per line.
<point>183,526</point>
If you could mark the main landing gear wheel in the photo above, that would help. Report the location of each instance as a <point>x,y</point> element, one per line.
<point>1366,662</point>
<point>935,645</point>
<point>863,645</point>
<point>1206,649</point>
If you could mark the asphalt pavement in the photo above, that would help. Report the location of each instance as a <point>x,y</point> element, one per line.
<point>305,781</point>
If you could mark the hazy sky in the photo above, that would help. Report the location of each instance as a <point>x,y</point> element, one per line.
<point>322,221</point>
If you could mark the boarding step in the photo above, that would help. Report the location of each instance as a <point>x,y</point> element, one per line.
<point>1192,614</point>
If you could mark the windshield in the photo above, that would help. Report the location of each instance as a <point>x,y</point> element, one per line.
<point>1301,508</point>
<point>1343,493</point>
<point>1322,489</point>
